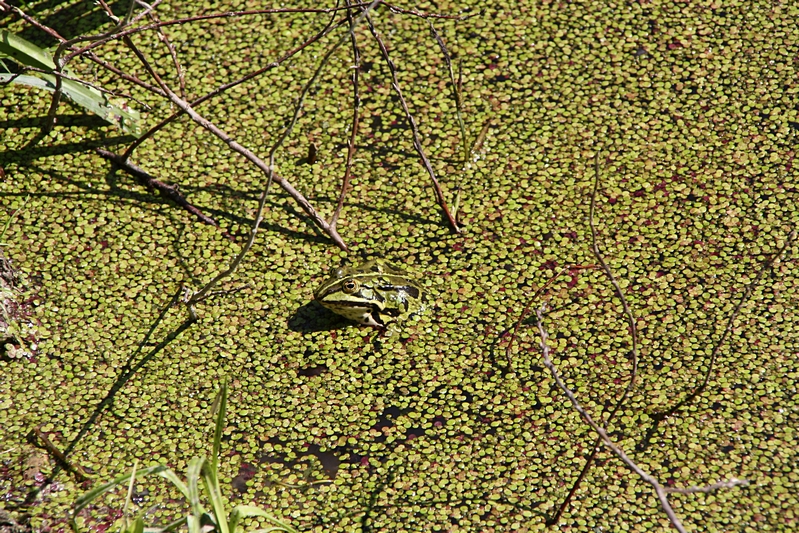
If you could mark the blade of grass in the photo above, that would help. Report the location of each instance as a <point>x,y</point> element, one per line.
<point>24,52</point>
<point>241,512</point>
<point>172,526</point>
<point>221,407</point>
<point>92,494</point>
<point>137,526</point>
<point>170,475</point>
<point>211,481</point>
<point>30,55</point>
<point>129,495</point>
<point>193,473</point>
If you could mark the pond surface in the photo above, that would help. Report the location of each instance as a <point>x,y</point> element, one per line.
<point>692,112</point>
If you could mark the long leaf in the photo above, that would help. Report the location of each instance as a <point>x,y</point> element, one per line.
<point>30,55</point>
<point>125,118</point>
<point>221,406</point>
<point>92,494</point>
<point>211,480</point>
<point>171,476</point>
<point>169,528</point>
<point>24,52</point>
<point>193,482</point>
<point>137,526</point>
<point>241,512</point>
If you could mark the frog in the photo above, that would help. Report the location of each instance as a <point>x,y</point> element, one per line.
<point>376,293</point>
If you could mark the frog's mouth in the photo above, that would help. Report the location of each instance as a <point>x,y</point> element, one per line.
<point>370,315</point>
<point>366,314</point>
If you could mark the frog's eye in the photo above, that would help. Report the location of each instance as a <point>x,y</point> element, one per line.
<point>349,286</point>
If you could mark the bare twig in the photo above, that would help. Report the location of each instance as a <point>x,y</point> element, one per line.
<point>533,299</point>
<point>417,142</point>
<point>456,91</point>
<point>628,314</point>
<point>168,191</point>
<point>173,53</point>
<point>32,21</point>
<point>603,436</point>
<point>733,316</point>
<point>356,103</point>
<point>633,329</point>
<point>300,101</point>
<point>158,127</point>
<point>191,300</point>
<point>660,490</point>
<point>230,14</point>
<point>266,168</point>
<point>76,469</point>
<point>405,11</point>
<point>729,484</point>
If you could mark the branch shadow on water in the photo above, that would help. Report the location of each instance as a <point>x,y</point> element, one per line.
<point>126,373</point>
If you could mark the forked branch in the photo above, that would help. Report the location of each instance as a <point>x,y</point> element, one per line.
<point>660,490</point>
<point>417,142</point>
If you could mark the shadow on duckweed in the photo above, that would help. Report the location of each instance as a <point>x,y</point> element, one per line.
<point>313,317</point>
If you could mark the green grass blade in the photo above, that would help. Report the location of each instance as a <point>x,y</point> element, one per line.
<point>89,98</point>
<point>221,403</point>
<point>241,512</point>
<point>137,526</point>
<point>30,55</point>
<point>193,473</point>
<point>24,52</point>
<point>169,528</point>
<point>130,527</point>
<point>94,493</point>
<point>169,475</point>
<point>211,480</point>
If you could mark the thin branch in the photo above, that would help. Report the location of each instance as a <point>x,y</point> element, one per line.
<point>619,292</point>
<point>168,191</point>
<point>125,76</point>
<point>231,14</point>
<point>271,176</point>
<point>733,316</point>
<point>456,91</point>
<point>404,11</point>
<point>533,299</point>
<point>32,21</point>
<point>356,103</point>
<point>301,100</point>
<point>80,474</point>
<point>661,491</point>
<point>729,484</point>
<point>603,436</point>
<point>192,300</point>
<point>417,142</point>
<point>150,69</point>
<point>173,53</point>
<point>633,328</point>
<point>196,103</point>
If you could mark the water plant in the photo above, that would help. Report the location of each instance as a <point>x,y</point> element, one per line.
<point>203,470</point>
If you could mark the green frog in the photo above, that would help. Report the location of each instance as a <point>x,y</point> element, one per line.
<point>374,294</point>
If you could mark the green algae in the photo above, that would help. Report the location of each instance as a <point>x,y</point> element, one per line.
<point>693,108</point>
